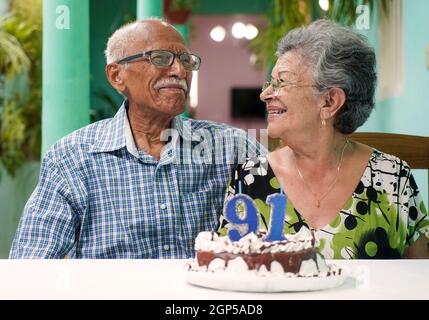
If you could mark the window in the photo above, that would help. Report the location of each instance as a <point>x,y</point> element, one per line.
<point>245,103</point>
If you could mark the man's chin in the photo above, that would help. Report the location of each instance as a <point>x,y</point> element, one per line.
<point>175,106</point>
<point>176,110</point>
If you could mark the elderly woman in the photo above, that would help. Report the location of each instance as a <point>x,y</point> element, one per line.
<point>360,202</point>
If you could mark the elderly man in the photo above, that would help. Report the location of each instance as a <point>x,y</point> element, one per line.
<point>144,183</point>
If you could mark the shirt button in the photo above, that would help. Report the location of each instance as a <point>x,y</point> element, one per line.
<point>163,206</point>
<point>166,247</point>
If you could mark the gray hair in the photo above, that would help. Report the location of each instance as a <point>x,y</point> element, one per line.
<point>121,39</point>
<point>339,58</point>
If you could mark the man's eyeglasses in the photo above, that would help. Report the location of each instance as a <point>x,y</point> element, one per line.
<point>165,58</point>
<point>277,84</point>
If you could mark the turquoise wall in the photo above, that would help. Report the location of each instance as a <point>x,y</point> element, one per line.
<point>408,114</point>
<point>14,193</point>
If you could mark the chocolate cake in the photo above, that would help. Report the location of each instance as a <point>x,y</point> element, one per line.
<point>297,256</point>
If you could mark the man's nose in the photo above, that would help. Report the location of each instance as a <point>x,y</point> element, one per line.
<point>177,69</point>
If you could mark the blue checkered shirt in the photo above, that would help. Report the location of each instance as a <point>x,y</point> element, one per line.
<point>99,197</point>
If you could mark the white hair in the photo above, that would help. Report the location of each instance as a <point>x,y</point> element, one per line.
<point>121,39</point>
<point>339,57</point>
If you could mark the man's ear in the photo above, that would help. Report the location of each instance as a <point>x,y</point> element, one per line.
<point>113,73</point>
<point>334,101</point>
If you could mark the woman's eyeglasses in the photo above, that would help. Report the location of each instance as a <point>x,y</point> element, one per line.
<point>165,58</point>
<point>277,84</point>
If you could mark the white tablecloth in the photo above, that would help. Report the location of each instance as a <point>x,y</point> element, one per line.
<point>165,280</point>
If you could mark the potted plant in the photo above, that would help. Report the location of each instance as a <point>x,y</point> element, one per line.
<point>178,11</point>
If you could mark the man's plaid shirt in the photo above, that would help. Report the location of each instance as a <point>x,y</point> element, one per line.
<point>99,197</point>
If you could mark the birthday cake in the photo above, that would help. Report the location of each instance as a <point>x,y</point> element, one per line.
<point>297,256</point>
<point>251,260</point>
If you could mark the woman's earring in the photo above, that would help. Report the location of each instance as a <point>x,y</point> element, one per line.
<point>323,122</point>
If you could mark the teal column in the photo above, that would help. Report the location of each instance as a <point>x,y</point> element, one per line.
<point>149,8</point>
<point>66,87</point>
<point>184,31</point>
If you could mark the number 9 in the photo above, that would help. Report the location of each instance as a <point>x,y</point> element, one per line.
<point>250,218</point>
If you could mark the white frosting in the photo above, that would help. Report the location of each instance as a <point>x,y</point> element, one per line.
<point>263,271</point>
<point>308,268</point>
<point>237,265</point>
<point>276,268</point>
<point>251,243</point>
<point>321,264</point>
<point>216,265</point>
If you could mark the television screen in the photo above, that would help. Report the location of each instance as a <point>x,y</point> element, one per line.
<point>245,103</point>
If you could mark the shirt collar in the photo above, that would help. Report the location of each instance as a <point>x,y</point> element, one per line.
<point>112,136</point>
<point>117,133</point>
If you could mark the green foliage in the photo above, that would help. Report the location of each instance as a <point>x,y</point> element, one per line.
<point>289,14</point>
<point>20,83</point>
<point>12,134</point>
<point>285,15</point>
<point>13,57</point>
<point>107,108</point>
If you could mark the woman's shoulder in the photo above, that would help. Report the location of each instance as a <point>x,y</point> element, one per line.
<point>255,165</point>
<point>253,169</point>
<point>388,162</point>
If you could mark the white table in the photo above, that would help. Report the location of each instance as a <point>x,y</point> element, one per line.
<point>164,280</point>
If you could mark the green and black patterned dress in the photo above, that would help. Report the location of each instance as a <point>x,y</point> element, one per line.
<point>384,214</point>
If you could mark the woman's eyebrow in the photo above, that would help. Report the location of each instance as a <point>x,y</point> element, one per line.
<point>286,71</point>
